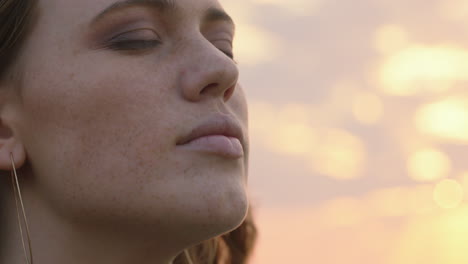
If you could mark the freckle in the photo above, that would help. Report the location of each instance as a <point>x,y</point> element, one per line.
<point>71,76</point>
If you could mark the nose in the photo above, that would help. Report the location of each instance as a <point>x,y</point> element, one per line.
<point>207,72</point>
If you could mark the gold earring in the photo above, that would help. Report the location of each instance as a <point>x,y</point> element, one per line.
<point>187,256</point>
<point>15,183</point>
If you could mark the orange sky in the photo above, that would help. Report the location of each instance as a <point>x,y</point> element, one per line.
<point>359,128</point>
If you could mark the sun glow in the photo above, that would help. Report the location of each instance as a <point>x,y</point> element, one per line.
<point>361,125</point>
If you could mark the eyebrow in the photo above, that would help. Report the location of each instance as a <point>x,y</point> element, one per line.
<point>163,5</point>
<point>212,14</point>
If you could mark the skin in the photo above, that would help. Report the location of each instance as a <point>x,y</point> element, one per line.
<point>93,134</point>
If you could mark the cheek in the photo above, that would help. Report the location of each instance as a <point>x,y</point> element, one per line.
<point>86,132</point>
<point>238,104</point>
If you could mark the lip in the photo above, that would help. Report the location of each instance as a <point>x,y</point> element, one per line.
<point>220,134</point>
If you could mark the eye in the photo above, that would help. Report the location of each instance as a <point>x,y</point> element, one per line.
<point>225,46</point>
<point>230,54</point>
<point>139,39</point>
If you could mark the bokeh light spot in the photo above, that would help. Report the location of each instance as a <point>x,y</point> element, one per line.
<point>254,45</point>
<point>463,179</point>
<point>428,165</point>
<point>402,201</point>
<point>446,119</point>
<point>292,133</point>
<point>448,194</point>
<point>339,154</point>
<point>262,119</point>
<point>422,69</point>
<point>292,138</point>
<point>286,130</point>
<point>390,202</point>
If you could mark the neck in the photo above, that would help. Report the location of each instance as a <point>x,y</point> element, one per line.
<point>55,240</point>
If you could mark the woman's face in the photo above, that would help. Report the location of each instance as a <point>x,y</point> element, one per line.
<point>105,100</point>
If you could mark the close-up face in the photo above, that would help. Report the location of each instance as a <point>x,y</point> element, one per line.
<point>110,95</point>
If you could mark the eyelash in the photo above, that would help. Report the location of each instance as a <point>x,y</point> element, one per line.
<point>229,54</point>
<point>135,45</point>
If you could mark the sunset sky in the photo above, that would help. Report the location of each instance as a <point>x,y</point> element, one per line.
<point>358,127</point>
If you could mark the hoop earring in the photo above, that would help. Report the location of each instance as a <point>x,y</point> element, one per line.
<point>187,256</point>
<point>17,192</point>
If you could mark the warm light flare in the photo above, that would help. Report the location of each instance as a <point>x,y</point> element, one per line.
<point>254,45</point>
<point>339,155</point>
<point>364,144</point>
<point>446,119</point>
<point>293,138</point>
<point>420,69</point>
<point>434,239</point>
<point>448,194</point>
<point>289,130</point>
<point>428,165</point>
<point>401,201</point>
<point>286,130</point>
<point>463,179</point>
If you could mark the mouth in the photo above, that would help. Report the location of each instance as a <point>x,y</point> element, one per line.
<point>220,135</point>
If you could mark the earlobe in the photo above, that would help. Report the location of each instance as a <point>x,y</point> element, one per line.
<point>11,144</point>
<point>16,148</point>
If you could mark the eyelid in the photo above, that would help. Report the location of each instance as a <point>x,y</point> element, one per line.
<point>225,46</point>
<point>140,33</point>
<point>223,42</point>
<point>228,40</point>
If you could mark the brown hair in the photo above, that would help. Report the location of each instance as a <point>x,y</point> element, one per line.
<point>235,247</point>
<point>15,19</point>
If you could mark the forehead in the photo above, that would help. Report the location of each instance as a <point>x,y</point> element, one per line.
<point>82,11</point>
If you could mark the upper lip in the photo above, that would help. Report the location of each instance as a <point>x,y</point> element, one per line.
<point>225,125</point>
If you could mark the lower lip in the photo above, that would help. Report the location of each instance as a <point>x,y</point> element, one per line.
<point>229,147</point>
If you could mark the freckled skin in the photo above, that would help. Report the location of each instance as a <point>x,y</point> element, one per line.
<point>100,127</point>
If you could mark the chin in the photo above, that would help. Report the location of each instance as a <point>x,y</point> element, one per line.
<point>217,214</point>
<point>231,216</point>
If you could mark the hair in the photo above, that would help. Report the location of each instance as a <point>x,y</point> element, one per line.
<point>235,247</point>
<point>16,17</point>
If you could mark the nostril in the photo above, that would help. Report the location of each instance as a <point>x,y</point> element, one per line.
<point>214,89</point>
<point>228,93</point>
<point>5,132</point>
<point>209,87</point>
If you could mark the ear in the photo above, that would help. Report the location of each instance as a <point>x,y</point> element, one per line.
<point>10,145</point>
